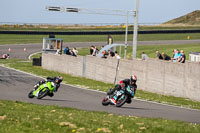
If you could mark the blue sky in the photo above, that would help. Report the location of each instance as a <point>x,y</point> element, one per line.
<point>150,11</point>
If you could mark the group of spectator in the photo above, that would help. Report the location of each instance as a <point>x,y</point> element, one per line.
<point>178,56</point>
<point>72,52</point>
<point>109,53</point>
<point>94,51</point>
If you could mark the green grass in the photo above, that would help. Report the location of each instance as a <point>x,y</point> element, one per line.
<point>26,39</point>
<point>19,117</point>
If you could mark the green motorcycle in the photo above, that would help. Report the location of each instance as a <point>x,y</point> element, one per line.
<point>42,91</point>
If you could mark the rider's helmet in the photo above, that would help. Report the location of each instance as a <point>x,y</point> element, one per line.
<point>59,79</point>
<point>133,79</point>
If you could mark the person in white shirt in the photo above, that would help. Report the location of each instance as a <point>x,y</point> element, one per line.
<point>144,56</point>
<point>75,52</point>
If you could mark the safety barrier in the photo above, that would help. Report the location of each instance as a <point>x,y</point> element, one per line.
<point>97,32</point>
<point>168,78</point>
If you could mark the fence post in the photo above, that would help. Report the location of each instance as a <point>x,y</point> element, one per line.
<point>117,69</point>
<point>84,66</point>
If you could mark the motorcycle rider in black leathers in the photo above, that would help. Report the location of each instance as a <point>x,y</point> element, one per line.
<point>55,80</point>
<point>124,84</point>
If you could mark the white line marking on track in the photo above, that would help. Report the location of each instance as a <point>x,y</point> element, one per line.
<point>15,76</point>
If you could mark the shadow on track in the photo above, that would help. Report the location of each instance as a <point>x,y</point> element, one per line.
<point>61,100</point>
<point>135,108</point>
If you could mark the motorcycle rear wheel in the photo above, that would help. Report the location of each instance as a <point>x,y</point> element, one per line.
<point>43,93</point>
<point>121,102</point>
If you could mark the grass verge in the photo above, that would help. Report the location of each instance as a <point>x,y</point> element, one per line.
<point>18,117</point>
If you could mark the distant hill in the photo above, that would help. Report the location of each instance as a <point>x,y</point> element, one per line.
<point>192,18</point>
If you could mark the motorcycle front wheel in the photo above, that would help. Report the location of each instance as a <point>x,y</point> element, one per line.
<point>105,101</point>
<point>43,93</point>
<point>30,95</point>
<point>121,101</point>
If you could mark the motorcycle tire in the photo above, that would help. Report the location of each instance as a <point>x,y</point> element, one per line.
<point>43,93</point>
<point>30,95</point>
<point>121,102</point>
<point>105,101</point>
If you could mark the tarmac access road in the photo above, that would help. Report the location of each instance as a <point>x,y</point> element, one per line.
<point>16,85</point>
<point>17,50</point>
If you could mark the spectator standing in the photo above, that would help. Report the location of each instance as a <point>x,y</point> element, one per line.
<point>144,56</point>
<point>183,57</point>
<point>165,56</point>
<point>159,55</point>
<point>110,39</point>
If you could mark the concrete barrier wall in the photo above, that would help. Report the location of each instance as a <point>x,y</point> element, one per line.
<point>62,63</point>
<point>181,80</point>
<point>101,69</point>
<point>168,78</point>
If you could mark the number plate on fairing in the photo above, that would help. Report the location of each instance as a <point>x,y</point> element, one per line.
<point>118,93</point>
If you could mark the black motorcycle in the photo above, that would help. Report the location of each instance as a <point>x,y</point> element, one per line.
<point>120,96</point>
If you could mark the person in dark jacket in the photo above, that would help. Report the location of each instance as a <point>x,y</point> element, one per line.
<point>65,50</point>
<point>159,55</point>
<point>124,84</point>
<point>165,56</point>
<point>183,57</point>
<point>91,50</point>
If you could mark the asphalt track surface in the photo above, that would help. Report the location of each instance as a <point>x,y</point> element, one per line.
<point>16,85</point>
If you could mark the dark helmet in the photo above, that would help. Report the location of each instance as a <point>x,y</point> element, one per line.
<point>59,79</point>
<point>133,79</point>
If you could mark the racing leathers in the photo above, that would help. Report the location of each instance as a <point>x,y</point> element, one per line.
<point>123,85</point>
<point>54,85</point>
